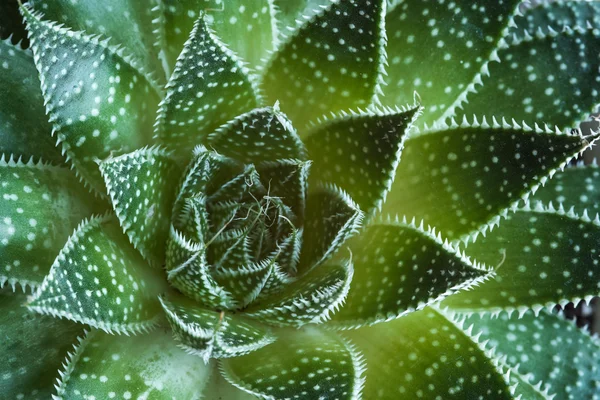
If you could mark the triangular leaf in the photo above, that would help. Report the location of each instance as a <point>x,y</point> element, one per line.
<point>98,106</point>
<point>302,364</point>
<point>99,279</point>
<point>329,64</point>
<point>457,178</point>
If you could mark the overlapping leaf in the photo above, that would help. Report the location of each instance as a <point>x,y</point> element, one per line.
<point>291,12</point>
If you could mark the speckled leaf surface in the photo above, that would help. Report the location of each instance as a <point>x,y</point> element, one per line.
<point>565,93</point>
<point>98,107</point>
<point>24,128</point>
<point>149,366</point>
<point>542,257</point>
<point>548,349</point>
<point>303,364</point>
<point>400,268</point>
<point>431,356</point>
<point>32,347</point>
<point>329,64</point>
<point>39,208</point>
<point>99,279</point>
<point>460,36</point>
<point>360,153</point>
<point>209,87</point>
<point>144,208</point>
<point>290,12</point>
<point>457,178</point>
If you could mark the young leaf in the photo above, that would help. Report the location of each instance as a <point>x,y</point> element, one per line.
<point>331,63</point>
<point>425,353</point>
<point>457,178</point>
<point>400,268</point>
<point>24,128</point>
<point>33,348</point>
<point>543,257</point>
<point>40,207</point>
<point>209,87</point>
<point>142,187</point>
<point>547,348</point>
<point>98,106</point>
<point>359,152</point>
<point>436,48</point>
<point>99,279</point>
<point>302,364</point>
<point>147,366</point>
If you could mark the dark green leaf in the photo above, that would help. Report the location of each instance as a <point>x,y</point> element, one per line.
<point>99,279</point>
<point>11,23</point>
<point>303,364</point>
<point>458,178</point>
<point>99,105</point>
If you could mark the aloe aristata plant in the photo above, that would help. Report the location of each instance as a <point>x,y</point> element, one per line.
<point>297,199</point>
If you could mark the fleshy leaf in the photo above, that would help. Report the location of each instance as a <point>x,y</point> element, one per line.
<point>400,268</point>
<point>99,279</point>
<point>359,152</point>
<point>548,349</point>
<point>331,218</point>
<point>148,366</point>
<point>287,179</point>
<point>245,281</point>
<point>100,106</point>
<point>425,353</point>
<point>262,135</point>
<point>302,364</point>
<point>436,48</point>
<point>290,12</point>
<point>11,23</point>
<point>40,207</point>
<point>543,257</point>
<point>127,22</point>
<point>310,299</point>
<point>457,178</point>
<point>211,334</point>
<point>331,63</point>
<point>142,188</point>
<point>33,349</point>
<point>209,87</point>
<point>218,388</point>
<point>24,128</point>
<point>565,93</point>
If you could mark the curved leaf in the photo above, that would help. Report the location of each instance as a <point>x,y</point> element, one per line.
<point>290,13</point>
<point>331,63</point>
<point>100,105</point>
<point>99,279</point>
<point>457,178</point>
<point>302,364</point>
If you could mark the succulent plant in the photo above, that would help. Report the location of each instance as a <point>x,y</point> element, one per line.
<point>297,199</point>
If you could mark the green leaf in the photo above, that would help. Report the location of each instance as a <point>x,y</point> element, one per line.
<point>564,93</point>
<point>99,279</point>
<point>11,23</point>
<point>542,257</point>
<point>144,208</point>
<point>24,128</point>
<point>262,135</point>
<point>209,87</point>
<point>331,63</point>
<point>32,348</point>
<point>290,12</point>
<point>438,48</point>
<point>400,268</point>
<point>310,299</point>
<point>425,353</point>
<point>211,334</point>
<point>147,366</point>
<point>100,105</point>
<point>302,364</point>
<point>40,207</point>
<point>548,349</point>
<point>573,187</point>
<point>331,218</point>
<point>359,152</point>
<point>128,23</point>
<point>457,178</point>
<point>219,389</point>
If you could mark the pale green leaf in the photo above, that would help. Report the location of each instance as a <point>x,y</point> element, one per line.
<point>219,389</point>
<point>99,279</point>
<point>302,364</point>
